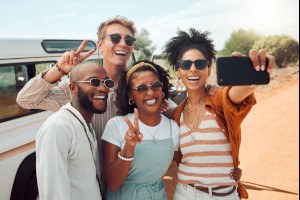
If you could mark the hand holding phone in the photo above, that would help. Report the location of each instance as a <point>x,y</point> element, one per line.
<point>233,71</point>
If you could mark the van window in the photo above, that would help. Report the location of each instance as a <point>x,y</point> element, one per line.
<point>60,46</point>
<point>12,80</point>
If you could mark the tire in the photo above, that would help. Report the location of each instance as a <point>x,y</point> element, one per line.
<point>25,184</point>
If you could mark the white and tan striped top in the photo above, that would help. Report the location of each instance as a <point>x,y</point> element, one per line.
<point>207,158</point>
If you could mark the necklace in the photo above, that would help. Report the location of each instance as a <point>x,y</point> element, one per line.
<point>156,131</point>
<point>193,109</point>
<point>191,122</point>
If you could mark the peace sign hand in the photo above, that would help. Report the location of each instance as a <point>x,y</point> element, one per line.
<point>133,134</point>
<point>71,58</point>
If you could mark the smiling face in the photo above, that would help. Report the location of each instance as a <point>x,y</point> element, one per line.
<point>115,55</point>
<point>147,103</point>
<point>89,98</point>
<point>194,79</point>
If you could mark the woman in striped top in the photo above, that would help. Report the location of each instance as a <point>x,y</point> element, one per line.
<point>210,132</point>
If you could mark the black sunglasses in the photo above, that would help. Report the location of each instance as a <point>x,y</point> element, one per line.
<point>116,38</point>
<point>95,82</point>
<point>143,89</point>
<point>187,64</point>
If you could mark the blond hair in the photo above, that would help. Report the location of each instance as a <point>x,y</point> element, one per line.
<point>101,32</point>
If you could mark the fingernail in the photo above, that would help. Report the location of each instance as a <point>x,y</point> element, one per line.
<point>263,68</point>
<point>257,68</point>
<point>269,70</point>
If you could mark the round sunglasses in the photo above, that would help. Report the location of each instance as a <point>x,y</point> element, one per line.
<point>95,82</point>
<point>116,38</point>
<point>143,89</point>
<point>187,64</point>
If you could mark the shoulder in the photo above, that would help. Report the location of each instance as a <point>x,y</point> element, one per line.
<point>117,121</point>
<point>57,126</point>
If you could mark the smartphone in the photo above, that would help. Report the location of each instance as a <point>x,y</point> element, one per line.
<point>233,71</point>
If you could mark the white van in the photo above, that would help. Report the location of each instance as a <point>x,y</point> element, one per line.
<point>21,60</point>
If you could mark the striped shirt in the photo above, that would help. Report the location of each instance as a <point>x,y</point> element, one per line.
<point>207,157</point>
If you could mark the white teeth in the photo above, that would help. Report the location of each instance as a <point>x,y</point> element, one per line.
<point>194,78</point>
<point>151,101</point>
<point>99,97</point>
<point>122,53</point>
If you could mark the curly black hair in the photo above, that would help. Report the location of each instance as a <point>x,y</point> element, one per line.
<point>123,89</point>
<point>177,46</point>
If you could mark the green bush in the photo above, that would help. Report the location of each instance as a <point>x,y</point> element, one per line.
<point>284,48</point>
<point>241,41</point>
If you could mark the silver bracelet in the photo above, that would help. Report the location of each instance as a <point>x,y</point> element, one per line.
<point>125,159</point>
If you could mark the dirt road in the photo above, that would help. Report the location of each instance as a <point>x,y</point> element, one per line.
<point>270,144</point>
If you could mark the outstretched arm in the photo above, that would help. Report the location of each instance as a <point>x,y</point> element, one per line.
<point>238,94</point>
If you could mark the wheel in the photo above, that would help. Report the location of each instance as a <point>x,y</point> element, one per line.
<point>25,184</point>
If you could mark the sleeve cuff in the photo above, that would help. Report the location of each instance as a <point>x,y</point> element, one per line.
<point>248,102</point>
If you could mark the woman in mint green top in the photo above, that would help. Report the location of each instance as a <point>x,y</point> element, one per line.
<point>139,145</point>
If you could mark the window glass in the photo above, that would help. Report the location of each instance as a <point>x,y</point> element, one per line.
<point>60,46</point>
<point>12,80</point>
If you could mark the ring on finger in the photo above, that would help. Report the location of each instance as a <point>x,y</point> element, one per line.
<point>129,133</point>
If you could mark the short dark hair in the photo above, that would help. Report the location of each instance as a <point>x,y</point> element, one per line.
<point>123,89</point>
<point>184,41</point>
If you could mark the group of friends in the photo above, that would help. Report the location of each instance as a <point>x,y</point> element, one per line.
<point>109,139</point>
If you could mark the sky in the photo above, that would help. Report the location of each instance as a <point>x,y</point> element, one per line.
<point>162,18</point>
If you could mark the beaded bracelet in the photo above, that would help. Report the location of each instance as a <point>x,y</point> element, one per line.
<point>125,159</point>
<point>60,70</point>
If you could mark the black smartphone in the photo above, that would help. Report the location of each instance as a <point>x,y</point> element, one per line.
<point>239,71</point>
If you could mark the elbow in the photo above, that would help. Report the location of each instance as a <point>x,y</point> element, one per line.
<point>20,100</point>
<point>113,187</point>
<point>112,184</point>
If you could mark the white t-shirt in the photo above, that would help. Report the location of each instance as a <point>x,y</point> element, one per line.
<point>116,128</point>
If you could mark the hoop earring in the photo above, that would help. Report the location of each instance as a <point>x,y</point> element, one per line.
<point>130,102</point>
<point>179,81</point>
<point>163,95</point>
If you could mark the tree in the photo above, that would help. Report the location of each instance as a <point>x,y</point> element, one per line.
<point>241,41</point>
<point>284,48</point>
<point>143,46</point>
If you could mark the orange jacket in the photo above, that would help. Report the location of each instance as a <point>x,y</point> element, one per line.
<point>229,116</point>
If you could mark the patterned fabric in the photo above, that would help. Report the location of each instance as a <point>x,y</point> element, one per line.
<point>207,158</point>
<point>229,116</point>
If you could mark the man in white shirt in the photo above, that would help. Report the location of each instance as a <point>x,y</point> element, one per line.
<point>66,147</point>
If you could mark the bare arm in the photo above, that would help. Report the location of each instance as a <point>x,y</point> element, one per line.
<point>115,169</point>
<point>238,94</point>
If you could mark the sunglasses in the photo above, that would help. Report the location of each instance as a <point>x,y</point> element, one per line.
<point>116,38</point>
<point>187,64</point>
<point>95,82</point>
<point>143,89</point>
